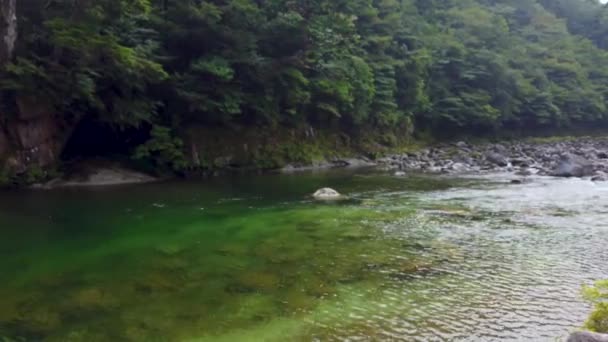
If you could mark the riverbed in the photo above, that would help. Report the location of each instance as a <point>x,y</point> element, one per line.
<point>418,258</point>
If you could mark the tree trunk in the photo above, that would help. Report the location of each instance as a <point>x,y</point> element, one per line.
<point>8,29</point>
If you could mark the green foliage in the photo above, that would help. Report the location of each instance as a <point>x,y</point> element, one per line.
<point>34,174</point>
<point>163,150</point>
<point>598,295</point>
<point>440,66</point>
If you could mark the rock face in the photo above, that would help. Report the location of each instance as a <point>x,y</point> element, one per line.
<point>326,194</point>
<point>587,337</point>
<point>34,137</point>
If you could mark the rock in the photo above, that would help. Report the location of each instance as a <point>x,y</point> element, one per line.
<point>400,174</point>
<point>600,177</point>
<point>497,158</point>
<point>501,149</point>
<point>520,162</point>
<point>461,144</point>
<point>354,162</point>
<point>585,336</point>
<point>326,194</point>
<point>602,155</point>
<point>102,177</point>
<point>524,173</point>
<point>517,181</point>
<point>572,166</point>
<point>459,167</point>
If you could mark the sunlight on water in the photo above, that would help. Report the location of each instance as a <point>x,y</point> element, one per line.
<point>418,259</point>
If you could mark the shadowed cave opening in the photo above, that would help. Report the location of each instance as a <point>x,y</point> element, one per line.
<point>94,139</point>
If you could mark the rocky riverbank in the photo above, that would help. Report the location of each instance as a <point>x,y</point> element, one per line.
<point>582,157</point>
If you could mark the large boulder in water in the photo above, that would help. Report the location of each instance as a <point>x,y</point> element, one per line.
<point>571,165</point>
<point>585,336</point>
<point>326,194</point>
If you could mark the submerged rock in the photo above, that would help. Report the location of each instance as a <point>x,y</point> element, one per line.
<point>585,336</point>
<point>326,193</point>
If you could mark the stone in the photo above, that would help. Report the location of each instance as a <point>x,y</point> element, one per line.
<point>571,165</point>
<point>400,174</point>
<point>524,173</point>
<point>602,155</point>
<point>103,176</point>
<point>326,194</point>
<point>461,144</point>
<point>354,162</point>
<point>459,167</point>
<point>520,162</point>
<point>600,177</point>
<point>497,158</point>
<point>585,336</point>
<point>259,281</point>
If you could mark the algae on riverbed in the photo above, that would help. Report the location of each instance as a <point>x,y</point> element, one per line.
<point>235,266</point>
<point>258,259</point>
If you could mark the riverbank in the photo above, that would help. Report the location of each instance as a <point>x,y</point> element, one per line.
<point>583,157</point>
<point>572,157</point>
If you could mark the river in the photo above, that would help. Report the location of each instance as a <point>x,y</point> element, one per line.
<point>422,258</point>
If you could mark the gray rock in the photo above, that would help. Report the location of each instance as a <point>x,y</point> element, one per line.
<point>524,172</point>
<point>585,336</point>
<point>500,148</point>
<point>600,177</point>
<point>326,194</point>
<point>400,174</point>
<point>353,162</point>
<point>497,158</point>
<point>520,162</point>
<point>459,167</point>
<point>602,155</point>
<point>461,144</point>
<point>571,165</point>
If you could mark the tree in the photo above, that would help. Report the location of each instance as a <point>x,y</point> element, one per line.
<point>8,29</point>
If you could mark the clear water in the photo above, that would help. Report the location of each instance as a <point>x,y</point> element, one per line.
<point>256,259</point>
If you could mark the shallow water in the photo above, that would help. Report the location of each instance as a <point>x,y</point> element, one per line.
<point>255,259</point>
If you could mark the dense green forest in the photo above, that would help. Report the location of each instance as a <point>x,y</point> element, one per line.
<point>403,66</point>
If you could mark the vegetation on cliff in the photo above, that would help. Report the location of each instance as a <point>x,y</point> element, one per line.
<point>395,66</point>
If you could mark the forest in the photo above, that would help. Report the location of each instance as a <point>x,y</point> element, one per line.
<point>432,67</point>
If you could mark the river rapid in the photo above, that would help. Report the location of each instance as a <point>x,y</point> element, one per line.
<point>419,258</point>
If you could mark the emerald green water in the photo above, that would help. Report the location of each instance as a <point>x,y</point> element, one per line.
<point>256,259</point>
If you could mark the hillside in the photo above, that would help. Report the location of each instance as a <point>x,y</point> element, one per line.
<point>178,84</point>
